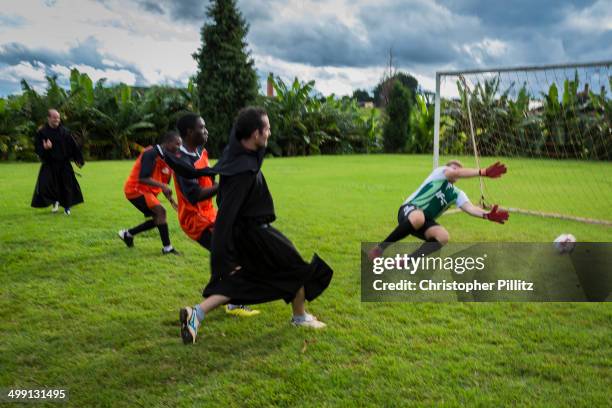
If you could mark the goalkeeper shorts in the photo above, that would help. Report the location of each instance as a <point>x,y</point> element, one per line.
<point>402,215</point>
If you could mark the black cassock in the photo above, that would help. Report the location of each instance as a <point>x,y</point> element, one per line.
<point>271,267</point>
<point>56,180</point>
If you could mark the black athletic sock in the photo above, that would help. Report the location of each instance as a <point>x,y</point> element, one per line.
<point>145,226</point>
<point>164,234</point>
<point>206,239</point>
<point>402,230</point>
<point>429,246</point>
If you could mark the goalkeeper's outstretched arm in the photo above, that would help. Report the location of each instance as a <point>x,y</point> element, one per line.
<point>454,173</point>
<point>495,215</point>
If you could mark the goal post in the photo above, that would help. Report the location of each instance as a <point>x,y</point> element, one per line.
<point>552,126</point>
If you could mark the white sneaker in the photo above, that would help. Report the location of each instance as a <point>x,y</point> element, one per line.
<point>55,207</point>
<point>67,211</point>
<point>307,321</point>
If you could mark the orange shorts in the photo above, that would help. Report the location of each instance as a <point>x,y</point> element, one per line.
<point>151,200</point>
<point>194,225</point>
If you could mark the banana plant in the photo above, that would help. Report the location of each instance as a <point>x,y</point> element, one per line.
<point>421,127</point>
<point>289,109</point>
<point>123,122</point>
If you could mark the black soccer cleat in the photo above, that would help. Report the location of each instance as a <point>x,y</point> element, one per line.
<point>126,238</point>
<point>171,251</point>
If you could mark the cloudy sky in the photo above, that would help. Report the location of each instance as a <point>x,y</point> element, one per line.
<point>341,44</point>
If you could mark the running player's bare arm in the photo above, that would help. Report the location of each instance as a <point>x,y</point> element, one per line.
<point>209,192</point>
<point>149,181</point>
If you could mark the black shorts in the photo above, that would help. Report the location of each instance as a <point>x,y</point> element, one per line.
<point>403,213</point>
<point>140,203</point>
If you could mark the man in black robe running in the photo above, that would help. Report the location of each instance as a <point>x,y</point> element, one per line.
<point>252,262</point>
<point>56,184</point>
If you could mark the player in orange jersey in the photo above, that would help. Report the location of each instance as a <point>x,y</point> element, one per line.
<point>150,176</point>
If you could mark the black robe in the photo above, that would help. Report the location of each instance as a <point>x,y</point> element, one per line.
<point>56,180</point>
<point>271,267</point>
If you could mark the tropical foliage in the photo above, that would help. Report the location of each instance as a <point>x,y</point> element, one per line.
<point>112,122</point>
<point>305,123</point>
<point>420,138</point>
<point>573,123</point>
<point>109,122</point>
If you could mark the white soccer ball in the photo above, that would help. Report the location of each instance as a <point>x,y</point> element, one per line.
<point>565,243</point>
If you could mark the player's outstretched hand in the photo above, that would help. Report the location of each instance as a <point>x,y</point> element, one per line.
<point>497,215</point>
<point>495,170</point>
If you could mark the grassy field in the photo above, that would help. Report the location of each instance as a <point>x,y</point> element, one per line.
<point>80,311</point>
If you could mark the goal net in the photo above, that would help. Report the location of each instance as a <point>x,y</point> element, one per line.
<point>552,127</point>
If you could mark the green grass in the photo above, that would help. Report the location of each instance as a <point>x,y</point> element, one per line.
<point>78,310</point>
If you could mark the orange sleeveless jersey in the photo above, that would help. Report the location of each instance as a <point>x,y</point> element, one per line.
<point>133,188</point>
<point>194,219</point>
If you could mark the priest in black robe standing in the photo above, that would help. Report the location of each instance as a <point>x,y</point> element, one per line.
<point>56,184</point>
<point>252,262</point>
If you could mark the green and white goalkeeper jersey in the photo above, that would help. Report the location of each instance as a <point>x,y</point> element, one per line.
<point>436,194</point>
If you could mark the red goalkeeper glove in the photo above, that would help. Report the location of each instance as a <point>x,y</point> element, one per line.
<point>495,170</point>
<point>496,215</point>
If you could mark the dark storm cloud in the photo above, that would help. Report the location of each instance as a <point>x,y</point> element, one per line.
<point>409,32</point>
<point>84,53</point>
<point>594,47</point>
<point>151,6</point>
<point>419,33</point>
<point>14,53</point>
<point>256,12</point>
<point>502,14</point>
<point>324,43</point>
<point>188,10</point>
<point>194,11</point>
<point>445,33</point>
<point>422,33</point>
<point>191,11</point>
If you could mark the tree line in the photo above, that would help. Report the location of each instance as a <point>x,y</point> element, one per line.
<point>117,121</point>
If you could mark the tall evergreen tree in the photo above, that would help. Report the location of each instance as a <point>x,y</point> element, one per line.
<point>226,77</point>
<point>384,88</point>
<point>395,133</point>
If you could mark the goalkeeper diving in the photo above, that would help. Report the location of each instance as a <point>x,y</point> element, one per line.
<point>417,215</point>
